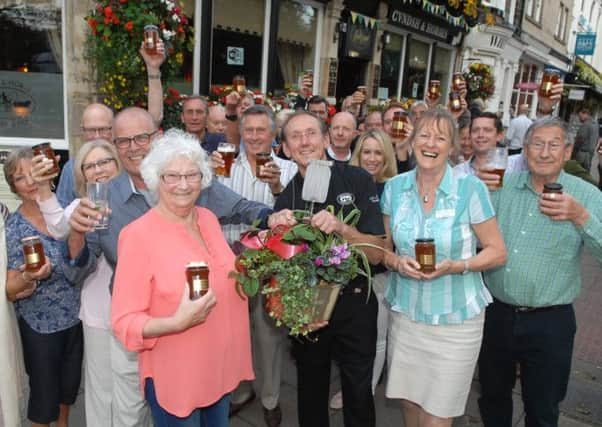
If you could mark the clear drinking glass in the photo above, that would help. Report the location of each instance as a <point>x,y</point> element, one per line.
<point>98,193</point>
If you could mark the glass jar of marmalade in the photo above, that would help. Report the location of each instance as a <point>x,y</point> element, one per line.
<point>197,276</point>
<point>434,91</point>
<point>552,187</point>
<point>33,253</point>
<point>151,39</point>
<point>425,254</point>
<point>457,80</point>
<point>398,125</point>
<point>46,150</point>
<point>455,101</point>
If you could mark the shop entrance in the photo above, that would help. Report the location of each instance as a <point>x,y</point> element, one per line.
<point>351,74</point>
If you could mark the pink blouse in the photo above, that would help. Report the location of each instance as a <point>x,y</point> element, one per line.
<point>194,368</point>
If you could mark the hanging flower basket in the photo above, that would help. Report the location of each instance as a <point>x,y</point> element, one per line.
<point>479,81</point>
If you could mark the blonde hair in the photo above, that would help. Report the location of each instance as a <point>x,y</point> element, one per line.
<point>78,173</point>
<point>11,164</point>
<point>442,121</point>
<point>390,163</point>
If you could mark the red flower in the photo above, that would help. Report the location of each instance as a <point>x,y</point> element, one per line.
<point>177,10</point>
<point>184,20</point>
<point>129,26</point>
<point>92,23</point>
<point>107,20</point>
<point>108,11</point>
<point>332,111</point>
<point>115,20</point>
<point>99,8</point>
<point>173,92</point>
<point>258,100</point>
<point>180,29</point>
<point>123,1</point>
<point>168,101</point>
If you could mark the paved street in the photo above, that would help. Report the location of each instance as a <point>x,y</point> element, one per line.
<point>582,407</point>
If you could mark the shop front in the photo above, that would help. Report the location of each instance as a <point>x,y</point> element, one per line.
<point>420,46</point>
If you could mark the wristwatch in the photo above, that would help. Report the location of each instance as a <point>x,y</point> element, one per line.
<point>466,267</point>
<point>232,117</point>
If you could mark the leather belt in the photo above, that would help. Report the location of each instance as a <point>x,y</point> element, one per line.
<point>526,309</point>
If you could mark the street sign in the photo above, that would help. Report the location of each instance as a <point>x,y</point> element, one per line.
<point>585,44</point>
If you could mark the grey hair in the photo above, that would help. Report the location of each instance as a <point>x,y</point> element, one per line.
<point>256,110</point>
<point>416,104</point>
<point>323,127</point>
<point>175,143</point>
<point>546,122</point>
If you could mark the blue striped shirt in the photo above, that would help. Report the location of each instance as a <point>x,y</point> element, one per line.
<point>459,202</point>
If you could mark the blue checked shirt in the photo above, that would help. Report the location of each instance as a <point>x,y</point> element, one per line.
<point>459,202</point>
<point>544,256</point>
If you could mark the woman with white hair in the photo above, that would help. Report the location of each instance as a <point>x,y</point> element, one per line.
<point>193,353</point>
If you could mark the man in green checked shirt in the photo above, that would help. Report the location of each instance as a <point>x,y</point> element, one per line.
<point>531,321</point>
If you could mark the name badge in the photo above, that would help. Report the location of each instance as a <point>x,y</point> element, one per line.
<point>444,213</point>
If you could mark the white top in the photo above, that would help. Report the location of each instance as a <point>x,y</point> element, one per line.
<point>517,130</point>
<point>516,163</point>
<point>243,182</point>
<point>95,307</point>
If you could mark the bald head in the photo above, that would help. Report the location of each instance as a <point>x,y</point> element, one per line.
<point>97,122</point>
<point>342,131</point>
<point>135,116</point>
<point>523,109</point>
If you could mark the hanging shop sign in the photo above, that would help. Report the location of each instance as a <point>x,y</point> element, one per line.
<point>360,36</point>
<point>585,44</point>
<point>412,20</point>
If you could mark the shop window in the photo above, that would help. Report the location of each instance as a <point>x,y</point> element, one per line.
<point>31,75</point>
<point>415,75</point>
<point>237,41</point>
<point>390,63</point>
<point>525,87</point>
<point>442,70</point>
<point>295,45</point>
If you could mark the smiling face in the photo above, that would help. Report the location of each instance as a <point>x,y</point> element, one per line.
<point>24,185</point>
<point>546,153</point>
<point>99,166</point>
<point>128,124</point>
<point>484,135</point>
<point>432,144</point>
<point>304,140</point>
<point>372,157</point>
<point>181,196</point>
<point>257,134</point>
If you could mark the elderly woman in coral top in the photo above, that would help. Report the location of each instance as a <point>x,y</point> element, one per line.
<point>193,353</point>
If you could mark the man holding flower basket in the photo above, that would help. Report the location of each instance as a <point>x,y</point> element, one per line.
<point>353,236</point>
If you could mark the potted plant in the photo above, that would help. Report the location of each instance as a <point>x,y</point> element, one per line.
<point>300,269</point>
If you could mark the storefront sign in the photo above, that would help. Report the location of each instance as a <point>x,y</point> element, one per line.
<point>419,24</point>
<point>235,55</point>
<point>577,94</point>
<point>585,44</point>
<point>359,40</point>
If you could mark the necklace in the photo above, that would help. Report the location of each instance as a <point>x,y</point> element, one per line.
<point>425,194</point>
<point>425,198</point>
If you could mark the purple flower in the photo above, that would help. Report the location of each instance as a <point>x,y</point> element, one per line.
<point>335,260</point>
<point>319,261</point>
<point>304,247</point>
<point>341,251</point>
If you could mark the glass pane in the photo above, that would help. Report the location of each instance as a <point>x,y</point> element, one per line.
<point>182,81</point>
<point>295,42</point>
<point>237,41</point>
<point>415,74</point>
<point>441,70</point>
<point>31,76</point>
<point>390,62</point>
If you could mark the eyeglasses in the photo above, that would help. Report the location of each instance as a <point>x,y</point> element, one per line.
<point>175,178</point>
<point>553,146</point>
<point>101,164</point>
<point>141,140</point>
<point>298,136</point>
<point>93,131</point>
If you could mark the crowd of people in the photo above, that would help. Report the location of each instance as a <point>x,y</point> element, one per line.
<point>499,294</point>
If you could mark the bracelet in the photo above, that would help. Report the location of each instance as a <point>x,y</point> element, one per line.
<point>154,76</point>
<point>466,267</point>
<point>232,117</point>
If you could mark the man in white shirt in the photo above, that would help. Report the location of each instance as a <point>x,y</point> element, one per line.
<point>342,132</point>
<point>517,130</point>
<point>263,184</point>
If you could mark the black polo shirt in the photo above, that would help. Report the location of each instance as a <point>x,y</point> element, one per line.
<point>344,180</point>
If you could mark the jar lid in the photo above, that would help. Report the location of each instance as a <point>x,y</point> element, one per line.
<point>30,239</point>
<point>400,113</point>
<point>554,186</point>
<point>150,27</point>
<point>425,240</point>
<point>196,264</point>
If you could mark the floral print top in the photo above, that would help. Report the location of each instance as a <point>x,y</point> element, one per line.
<point>54,306</point>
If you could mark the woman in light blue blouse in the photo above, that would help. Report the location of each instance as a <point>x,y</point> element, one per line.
<point>46,304</point>
<point>437,318</point>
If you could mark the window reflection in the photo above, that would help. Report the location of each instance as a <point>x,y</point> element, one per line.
<point>415,75</point>
<point>297,24</point>
<point>441,70</point>
<point>391,59</point>
<point>31,81</point>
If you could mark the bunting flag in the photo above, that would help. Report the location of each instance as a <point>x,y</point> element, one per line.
<point>366,21</point>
